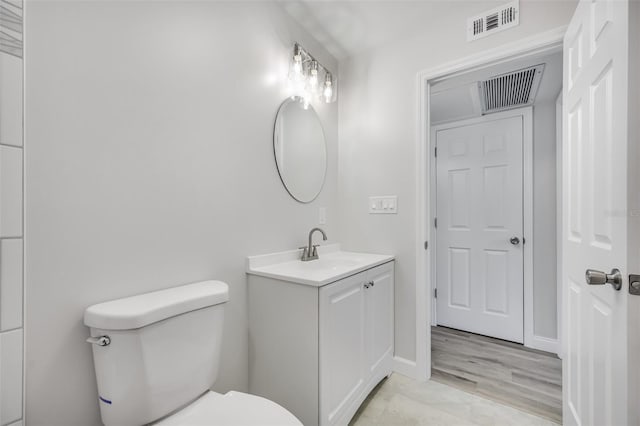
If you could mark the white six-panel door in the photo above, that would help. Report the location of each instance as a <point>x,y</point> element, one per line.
<point>595,212</point>
<point>479,270</point>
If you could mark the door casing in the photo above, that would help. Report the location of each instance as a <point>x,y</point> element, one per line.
<point>527,196</point>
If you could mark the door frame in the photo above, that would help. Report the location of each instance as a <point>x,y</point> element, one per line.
<point>527,212</point>
<point>545,42</point>
<point>559,194</point>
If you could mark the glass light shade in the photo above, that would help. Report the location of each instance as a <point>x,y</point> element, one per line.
<point>328,91</point>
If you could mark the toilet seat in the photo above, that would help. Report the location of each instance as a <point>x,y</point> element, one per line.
<point>231,409</point>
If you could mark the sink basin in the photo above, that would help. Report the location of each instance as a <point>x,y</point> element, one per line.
<point>333,261</point>
<point>333,264</point>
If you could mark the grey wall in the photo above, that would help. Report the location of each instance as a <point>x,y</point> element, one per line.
<point>149,164</point>
<point>378,127</point>
<point>545,314</point>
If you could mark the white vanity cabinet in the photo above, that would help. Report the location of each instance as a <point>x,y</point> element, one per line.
<point>356,341</point>
<point>318,350</point>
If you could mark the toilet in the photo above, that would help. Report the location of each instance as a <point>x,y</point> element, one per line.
<point>157,355</point>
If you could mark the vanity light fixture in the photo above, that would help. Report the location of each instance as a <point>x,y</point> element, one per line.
<point>305,74</point>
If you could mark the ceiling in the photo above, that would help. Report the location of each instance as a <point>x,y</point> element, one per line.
<point>457,98</point>
<point>348,27</point>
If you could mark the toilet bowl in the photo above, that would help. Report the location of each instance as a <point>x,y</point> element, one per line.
<point>231,409</point>
<point>157,355</point>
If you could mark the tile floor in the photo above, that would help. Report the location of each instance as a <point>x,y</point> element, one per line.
<point>400,400</point>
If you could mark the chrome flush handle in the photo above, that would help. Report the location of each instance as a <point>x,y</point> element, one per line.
<point>100,340</point>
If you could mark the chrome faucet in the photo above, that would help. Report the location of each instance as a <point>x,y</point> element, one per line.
<point>311,251</point>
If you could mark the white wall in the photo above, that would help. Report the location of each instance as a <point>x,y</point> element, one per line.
<point>149,164</point>
<point>378,126</point>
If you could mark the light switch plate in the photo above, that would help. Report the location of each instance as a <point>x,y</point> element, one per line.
<point>387,204</point>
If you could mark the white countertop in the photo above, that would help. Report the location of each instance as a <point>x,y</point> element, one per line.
<point>333,264</point>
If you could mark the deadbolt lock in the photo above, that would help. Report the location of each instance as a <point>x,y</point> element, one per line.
<point>634,285</point>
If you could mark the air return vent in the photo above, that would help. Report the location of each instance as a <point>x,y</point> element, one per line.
<point>493,21</point>
<point>511,90</point>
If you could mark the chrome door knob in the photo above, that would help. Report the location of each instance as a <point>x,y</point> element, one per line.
<point>515,241</point>
<point>594,277</point>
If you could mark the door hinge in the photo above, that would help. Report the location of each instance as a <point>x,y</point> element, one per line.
<point>523,240</point>
<point>435,222</point>
<point>435,293</point>
<point>426,245</point>
<point>435,152</point>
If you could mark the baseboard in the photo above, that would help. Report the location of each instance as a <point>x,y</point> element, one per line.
<point>405,367</point>
<point>544,344</point>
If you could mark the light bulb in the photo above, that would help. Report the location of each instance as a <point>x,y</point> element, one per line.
<point>297,66</point>
<point>313,76</point>
<point>313,79</point>
<point>328,93</point>
<point>328,88</point>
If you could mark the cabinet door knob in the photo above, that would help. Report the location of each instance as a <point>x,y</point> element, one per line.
<point>366,285</point>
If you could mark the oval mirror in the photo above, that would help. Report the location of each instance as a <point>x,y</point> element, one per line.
<point>300,150</point>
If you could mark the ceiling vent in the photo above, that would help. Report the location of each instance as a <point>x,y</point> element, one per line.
<point>493,21</point>
<point>511,90</point>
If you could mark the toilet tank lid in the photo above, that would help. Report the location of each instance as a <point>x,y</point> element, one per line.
<point>138,311</point>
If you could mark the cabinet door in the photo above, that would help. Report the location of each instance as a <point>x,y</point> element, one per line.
<point>379,320</point>
<point>341,346</point>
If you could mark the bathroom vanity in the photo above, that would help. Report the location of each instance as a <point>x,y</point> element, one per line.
<point>320,332</point>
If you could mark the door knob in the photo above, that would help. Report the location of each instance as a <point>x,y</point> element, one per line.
<point>594,277</point>
<point>515,241</point>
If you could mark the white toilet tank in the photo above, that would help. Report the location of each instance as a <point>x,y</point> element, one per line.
<point>163,350</point>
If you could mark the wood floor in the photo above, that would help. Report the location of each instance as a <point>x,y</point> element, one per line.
<point>503,371</point>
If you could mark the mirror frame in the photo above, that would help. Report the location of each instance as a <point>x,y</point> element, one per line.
<point>275,157</point>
